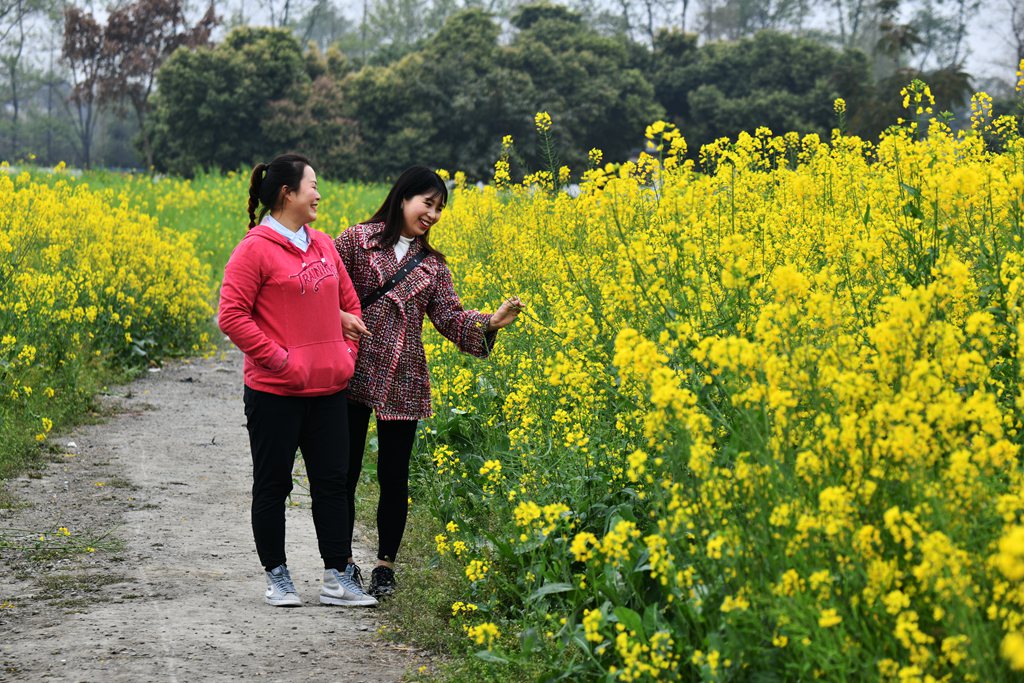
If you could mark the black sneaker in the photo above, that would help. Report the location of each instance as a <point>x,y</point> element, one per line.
<point>382,582</point>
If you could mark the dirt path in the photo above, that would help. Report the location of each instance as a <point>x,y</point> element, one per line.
<point>178,595</point>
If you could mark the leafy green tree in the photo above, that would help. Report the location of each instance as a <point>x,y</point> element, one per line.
<point>315,125</point>
<point>212,104</point>
<point>586,81</point>
<point>674,54</point>
<point>446,105</point>
<point>138,38</point>
<point>775,80</point>
<point>482,97</point>
<point>82,53</point>
<point>449,103</point>
<point>391,105</point>
<point>882,105</point>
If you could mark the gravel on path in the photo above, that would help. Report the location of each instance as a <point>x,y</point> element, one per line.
<point>175,591</point>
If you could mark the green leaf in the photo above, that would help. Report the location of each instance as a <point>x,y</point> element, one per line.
<point>910,209</point>
<point>630,619</point>
<point>611,584</point>
<point>651,618</point>
<point>503,547</point>
<point>643,562</point>
<point>529,640</point>
<point>912,191</point>
<point>549,588</point>
<point>489,656</point>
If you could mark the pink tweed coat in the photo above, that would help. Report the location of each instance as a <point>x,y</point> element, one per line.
<point>391,370</point>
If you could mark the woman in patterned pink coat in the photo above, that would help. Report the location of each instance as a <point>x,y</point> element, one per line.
<point>391,375</point>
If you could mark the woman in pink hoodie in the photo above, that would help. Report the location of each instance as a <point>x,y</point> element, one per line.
<point>281,303</point>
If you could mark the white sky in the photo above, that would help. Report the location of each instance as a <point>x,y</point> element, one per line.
<point>991,51</point>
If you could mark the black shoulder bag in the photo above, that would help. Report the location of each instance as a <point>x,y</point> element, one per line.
<point>371,298</point>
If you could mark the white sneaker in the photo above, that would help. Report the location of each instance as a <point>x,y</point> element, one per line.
<point>341,588</point>
<point>280,589</point>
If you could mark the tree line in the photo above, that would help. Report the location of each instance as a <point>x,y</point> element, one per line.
<point>444,85</point>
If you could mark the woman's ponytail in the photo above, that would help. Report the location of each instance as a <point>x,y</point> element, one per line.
<point>259,172</point>
<point>268,181</point>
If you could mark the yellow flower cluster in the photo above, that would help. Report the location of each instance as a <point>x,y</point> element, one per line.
<point>592,625</point>
<point>543,121</point>
<point>477,570</point>
<point>483,634</point>
<point>491,473</point>
<point>640,661</point>
<point>781,389</point>
<point>87,280</point>
<point>445,460</point>
<point>460,607</point>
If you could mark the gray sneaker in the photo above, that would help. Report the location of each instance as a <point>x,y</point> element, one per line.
<point>280,589</point>
<point>342,588</point>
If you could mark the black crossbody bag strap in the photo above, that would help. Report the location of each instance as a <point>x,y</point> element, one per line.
<point>371,298</point>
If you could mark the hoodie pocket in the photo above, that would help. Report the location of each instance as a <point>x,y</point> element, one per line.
<point>322,365</point>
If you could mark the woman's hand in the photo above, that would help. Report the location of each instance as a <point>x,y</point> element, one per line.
<point>353,327</point>
<point>506,314</point>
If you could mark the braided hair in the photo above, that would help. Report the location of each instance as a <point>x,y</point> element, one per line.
<point>268,183</point>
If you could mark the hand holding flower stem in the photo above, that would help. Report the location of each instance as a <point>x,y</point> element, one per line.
<point>506,314</point>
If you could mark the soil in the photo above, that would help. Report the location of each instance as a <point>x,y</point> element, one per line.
<point>172,590</point>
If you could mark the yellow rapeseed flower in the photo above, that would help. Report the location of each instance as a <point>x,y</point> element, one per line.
<point>829,618</point>
<point>542,121</point>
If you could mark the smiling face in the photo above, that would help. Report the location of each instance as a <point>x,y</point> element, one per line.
<point>300,204</point>
<point>421,212</point>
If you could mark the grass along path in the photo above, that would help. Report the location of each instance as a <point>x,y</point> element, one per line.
<point>172,590</point>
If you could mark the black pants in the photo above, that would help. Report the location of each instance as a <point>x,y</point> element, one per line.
<point>395,440</point>
<point>318,425</point>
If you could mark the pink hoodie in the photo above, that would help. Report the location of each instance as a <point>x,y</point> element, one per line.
<point>281,307</point>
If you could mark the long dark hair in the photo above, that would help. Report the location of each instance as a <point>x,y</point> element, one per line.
<point>415,180</point>
<point>285,171</point>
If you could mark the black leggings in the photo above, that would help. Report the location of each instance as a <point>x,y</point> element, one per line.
<point>317,425</point>
<point>395,440</point>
